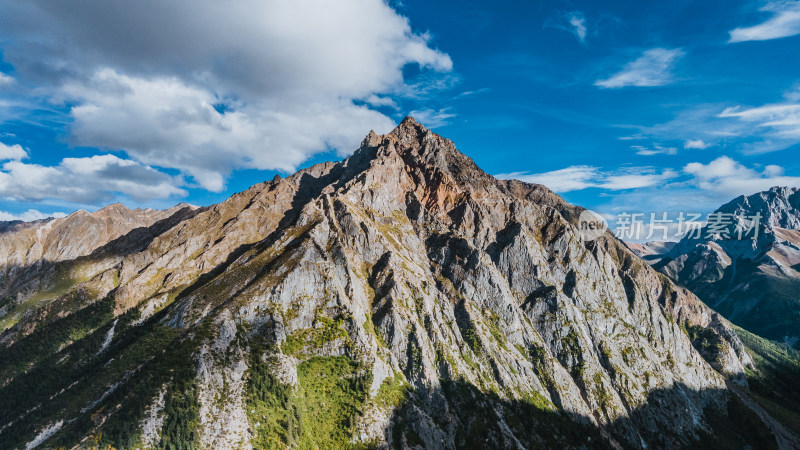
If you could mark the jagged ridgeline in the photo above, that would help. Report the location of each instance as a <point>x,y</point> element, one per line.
<point>400,298</point>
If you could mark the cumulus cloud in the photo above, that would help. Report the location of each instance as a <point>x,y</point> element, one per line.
<point>729,178</point>
<point>697,144</point>
<point>86,180</point>
<point>167,123</point>
<point>5,79</point>
<point>576,178</point>
<point>206,88</point>
<point>12,152</point>
<point>785,21</point>
<point>28,216</point>
<point>652,68</point>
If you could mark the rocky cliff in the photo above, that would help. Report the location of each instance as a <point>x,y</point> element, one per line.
<point>401,298</point>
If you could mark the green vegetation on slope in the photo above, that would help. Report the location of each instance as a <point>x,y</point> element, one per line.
<point>320,412</point>
<point>48,340</point>
<point>736,427</point>
<point>102,396</point>
<point>270,406</point>
<point>775,380</point>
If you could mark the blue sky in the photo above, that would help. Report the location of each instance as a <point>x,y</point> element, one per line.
<point>618,106</point>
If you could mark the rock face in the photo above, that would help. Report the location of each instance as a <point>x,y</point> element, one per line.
<point>401,297</point>
<point>754,281</point>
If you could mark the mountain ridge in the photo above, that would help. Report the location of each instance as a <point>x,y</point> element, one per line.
<point>752,281</point>
<point>432,302</point>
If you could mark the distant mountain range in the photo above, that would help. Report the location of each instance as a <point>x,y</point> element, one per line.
<point>401,298</point>
<point>755,281</point>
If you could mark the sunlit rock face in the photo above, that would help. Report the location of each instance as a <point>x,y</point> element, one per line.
<point>401,298</point>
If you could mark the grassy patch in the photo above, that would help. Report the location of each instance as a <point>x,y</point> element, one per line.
<point>394,392</point>
<point>324,330</point>
<point>320,412</point>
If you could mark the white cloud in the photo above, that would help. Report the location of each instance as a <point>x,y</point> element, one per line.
<point>5,79</point>
<point>184,131</point>
<point>572,178</point>
<point>656,149</point>
<point>433,118</point>
<point>28,216</point>
<point>696,188</point>
<point>12,152</point>
<point>783,118</point>
<point>86,180</point>
<point>751,130</point>
<point>785,21</point>
<point>207,88</point>
<point>636,178</point>
<point>697,144</point>
<point>578,23</point>
<point>653,68</point>
<point>375,100</point>
<point>576,178</point>
<point>573,22</point>
<point>729,178</point>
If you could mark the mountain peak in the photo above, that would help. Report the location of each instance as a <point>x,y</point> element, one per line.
<point>410,123</point>
<point>779,206</point>
<point>409,130</point>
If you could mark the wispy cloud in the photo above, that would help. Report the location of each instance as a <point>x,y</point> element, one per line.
<point>433,118</point>
<point>721,179</point>
<point>576,178</point>
<point>652,68</point>
<point>578,23</point>
<point>785,21</point>
<point>655,149</point>
<point>749,129</point>
<point>573,22</point>
<point>783,118</point>
<point>376,100</point>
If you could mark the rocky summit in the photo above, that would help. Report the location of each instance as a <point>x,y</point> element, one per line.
<point>400,298</point>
